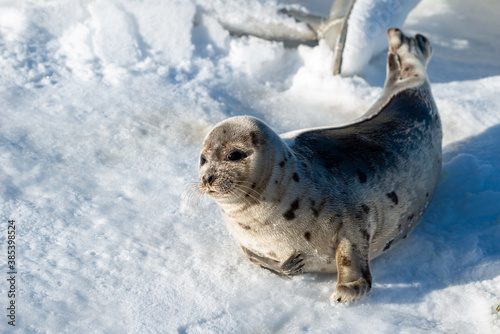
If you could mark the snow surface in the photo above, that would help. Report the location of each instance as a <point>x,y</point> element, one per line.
<point>104,105</point>
<point>367,33</point>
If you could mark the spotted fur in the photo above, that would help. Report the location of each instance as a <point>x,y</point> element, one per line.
<point>330,199</point>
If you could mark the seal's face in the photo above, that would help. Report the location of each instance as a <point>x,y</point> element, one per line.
<point>227,159</point>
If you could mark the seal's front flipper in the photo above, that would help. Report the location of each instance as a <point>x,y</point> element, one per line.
<point>291,266</point>
<point>264,262</point>
<point>353,267</point>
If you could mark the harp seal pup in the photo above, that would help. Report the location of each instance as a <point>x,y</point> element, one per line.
<point>330,199</point>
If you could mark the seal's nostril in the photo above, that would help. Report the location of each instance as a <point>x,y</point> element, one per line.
<point>208,179</point>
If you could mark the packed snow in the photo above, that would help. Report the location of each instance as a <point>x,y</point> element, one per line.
<point>104,106</point>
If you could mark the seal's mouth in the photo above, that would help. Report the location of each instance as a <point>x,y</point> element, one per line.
<point>216,186</point>
<point>218,195</point>
<point>210,190</point>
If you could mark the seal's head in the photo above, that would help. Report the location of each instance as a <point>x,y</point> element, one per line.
<point>235,157</point>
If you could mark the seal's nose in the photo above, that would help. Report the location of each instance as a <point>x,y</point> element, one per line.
<point>208,179</point>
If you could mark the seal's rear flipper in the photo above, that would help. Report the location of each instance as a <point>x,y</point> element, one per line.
<point>408,57</point>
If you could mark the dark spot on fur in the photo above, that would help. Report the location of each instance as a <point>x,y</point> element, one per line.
<point>388,245</point>
<point>246,227</point>
<point>272,254</point>
<point>393,197</point>
<point>317,210</point>
<point>365,273</point>
<point>345,261</point>
<point>410,217</point>
<point>356,288</point>
<point>282,164</point>
<point>296,177</point>
<point>290,214</point>
<point>366,235</point>
<point>276,181</point>
<point>336,234</point>
<point>407,68</point>
<point>307,235</point>
<point>405,236</point>
<point>399,227</point>
<point>224,131</point>
<point>247,195</point>
<point>427,195</point>
<point>304,165</point>
<point>255,139</point>
<point>361,175</point>
<point>253,186</point>
<point>365,208</point>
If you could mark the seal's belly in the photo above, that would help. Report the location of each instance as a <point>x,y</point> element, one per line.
<point>278,239</point>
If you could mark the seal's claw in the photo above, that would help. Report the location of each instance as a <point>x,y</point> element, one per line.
<point>293,265</point>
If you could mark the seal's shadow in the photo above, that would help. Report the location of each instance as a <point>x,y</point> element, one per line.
<point>458,240</point>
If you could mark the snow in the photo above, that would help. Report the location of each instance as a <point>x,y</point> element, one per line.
<point>104,108</point>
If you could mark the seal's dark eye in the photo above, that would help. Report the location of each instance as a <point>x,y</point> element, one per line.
<point>202,160</point>
<point>235,156</point>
